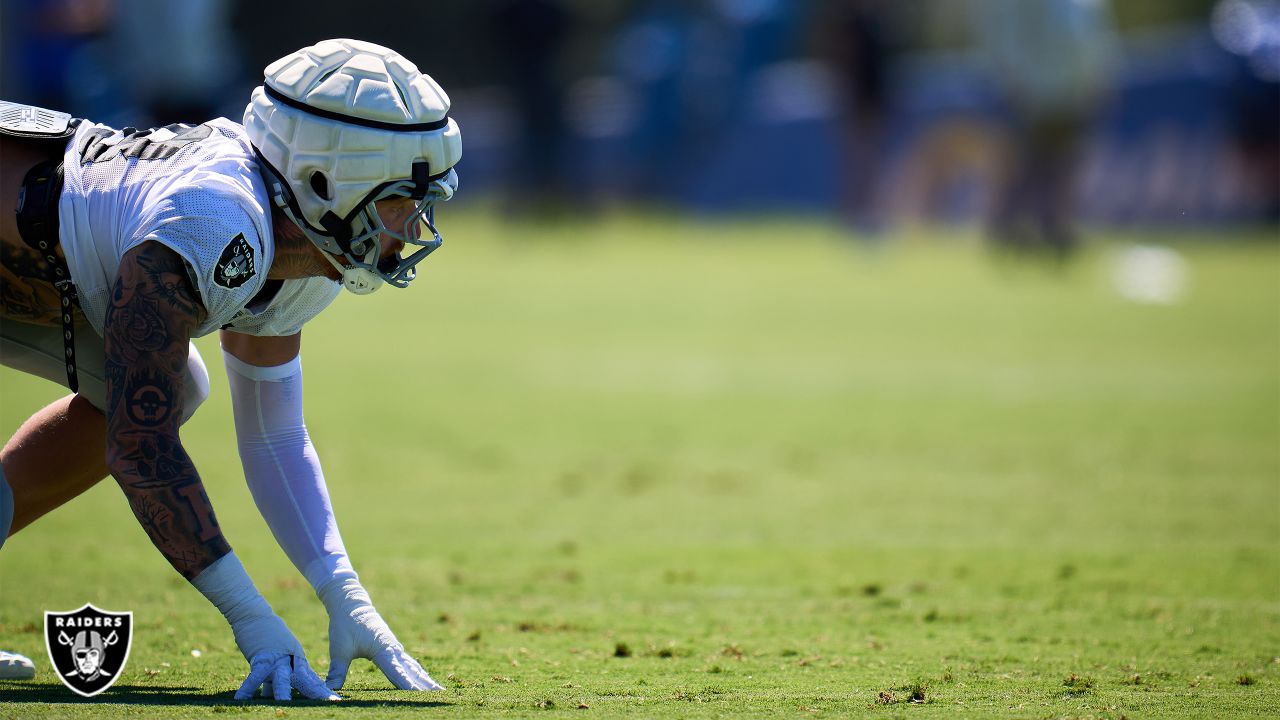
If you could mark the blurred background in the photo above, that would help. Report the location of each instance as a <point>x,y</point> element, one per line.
<point>1023,118</point>
<point>718,332</point>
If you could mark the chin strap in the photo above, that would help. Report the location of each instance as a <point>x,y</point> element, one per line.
<point>360,281</point>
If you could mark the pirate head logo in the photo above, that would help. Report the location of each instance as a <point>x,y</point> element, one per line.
<point>88,650</point>
<point>235,265</point>
<point>88,647</point>
<point>150,398</point>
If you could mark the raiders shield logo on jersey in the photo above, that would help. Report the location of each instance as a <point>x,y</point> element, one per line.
<point>88,647</point>
<point>235,266</point>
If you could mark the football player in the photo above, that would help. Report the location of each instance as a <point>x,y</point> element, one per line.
<point>121,245</point>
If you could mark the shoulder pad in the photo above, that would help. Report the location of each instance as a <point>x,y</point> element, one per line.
<point>29,121</point>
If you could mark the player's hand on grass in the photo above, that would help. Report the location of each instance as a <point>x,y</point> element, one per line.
<point>279,675</point>
<point>277,663</point>
<point>276,659</point>
<point>356,630</point>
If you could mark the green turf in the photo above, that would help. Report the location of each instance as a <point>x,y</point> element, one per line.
<point>653,467</point>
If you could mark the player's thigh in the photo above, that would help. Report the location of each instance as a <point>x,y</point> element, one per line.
<point>38,350</point>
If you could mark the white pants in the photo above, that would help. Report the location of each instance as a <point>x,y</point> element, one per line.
<point>38,350</point>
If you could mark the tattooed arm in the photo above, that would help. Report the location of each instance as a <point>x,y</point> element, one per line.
<point>23,296</point>
<point>149,323</point>
<point>152,315</point>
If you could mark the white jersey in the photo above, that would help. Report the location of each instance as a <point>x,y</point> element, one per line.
<point>196,190</point>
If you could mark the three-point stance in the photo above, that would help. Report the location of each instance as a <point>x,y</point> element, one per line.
<point>119,246</point>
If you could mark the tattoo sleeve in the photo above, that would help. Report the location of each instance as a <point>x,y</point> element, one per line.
<point>152,314</point>
<point>23,297</point>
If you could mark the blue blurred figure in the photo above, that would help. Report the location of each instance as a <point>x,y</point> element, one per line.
<point>1250,31</point>
<point>692,65</point>
<point>175,60</point>
<point>48,56</point>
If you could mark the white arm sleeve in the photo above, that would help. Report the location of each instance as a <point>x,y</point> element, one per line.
<point>283,470</point>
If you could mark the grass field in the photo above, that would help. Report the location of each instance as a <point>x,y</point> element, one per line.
<point>663,468</point>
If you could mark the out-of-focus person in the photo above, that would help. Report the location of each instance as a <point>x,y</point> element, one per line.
<point>1051,61</point>
<point>531,35</point>
<point>855,38</point>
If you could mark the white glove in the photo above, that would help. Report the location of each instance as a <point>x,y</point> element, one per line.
<point>277,662</point>
<point>356,630</point>
<point>275,656</point>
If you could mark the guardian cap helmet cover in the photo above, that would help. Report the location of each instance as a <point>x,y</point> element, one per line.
<point>343,124</point>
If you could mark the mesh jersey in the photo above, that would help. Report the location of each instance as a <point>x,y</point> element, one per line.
<point>196,190</point>
<point>296,302</point>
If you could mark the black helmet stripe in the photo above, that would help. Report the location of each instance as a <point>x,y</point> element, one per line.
<point>377,124</point>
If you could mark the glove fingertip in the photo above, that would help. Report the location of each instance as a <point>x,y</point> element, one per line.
<point>249,687</point>
<point>337,675</point>
<point>283,689</point>
<point>429,683</point>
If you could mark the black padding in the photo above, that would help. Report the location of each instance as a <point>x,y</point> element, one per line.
<point>37,215</point>
<point>421,179</point>
<point>37,220</point>
<point>337,229</point>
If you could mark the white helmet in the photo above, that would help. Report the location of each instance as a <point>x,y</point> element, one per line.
<point>342,124</point>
